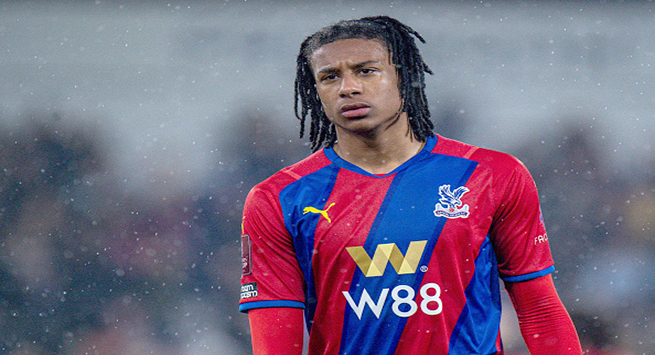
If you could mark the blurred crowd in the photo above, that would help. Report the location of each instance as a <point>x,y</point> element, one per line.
<point>88,266</point>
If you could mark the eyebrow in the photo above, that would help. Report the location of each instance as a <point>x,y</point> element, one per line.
<point>356,66</point>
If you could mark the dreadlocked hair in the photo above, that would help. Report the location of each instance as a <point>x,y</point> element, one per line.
<point>411,69</point>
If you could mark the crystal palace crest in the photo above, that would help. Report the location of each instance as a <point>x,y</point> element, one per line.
<point>450,204</point>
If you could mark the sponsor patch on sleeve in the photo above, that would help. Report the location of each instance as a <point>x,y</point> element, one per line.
<point>246,255</point>
<point>249,290</point>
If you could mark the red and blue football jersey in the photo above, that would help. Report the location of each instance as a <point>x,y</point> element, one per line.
<point>405,263</point>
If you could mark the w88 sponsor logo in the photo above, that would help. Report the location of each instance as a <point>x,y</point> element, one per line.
<point>403,303</point>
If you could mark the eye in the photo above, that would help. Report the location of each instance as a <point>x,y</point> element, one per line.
<point>367,70</point>
<point>328,77</point>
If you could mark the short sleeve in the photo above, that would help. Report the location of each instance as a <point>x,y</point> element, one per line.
<point>518,231</point>
<point>270,274</point>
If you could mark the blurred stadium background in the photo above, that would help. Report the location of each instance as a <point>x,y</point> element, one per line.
<point>130,133</point>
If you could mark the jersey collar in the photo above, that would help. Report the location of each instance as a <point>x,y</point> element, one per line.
<point>337,160</point>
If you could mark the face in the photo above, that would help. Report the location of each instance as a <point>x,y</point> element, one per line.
<point>357,85</point>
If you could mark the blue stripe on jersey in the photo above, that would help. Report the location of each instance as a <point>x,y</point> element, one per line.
<point>530,276</point>
<point>310,190</point>
<point>406,215</point>
<point>244,307</point>
<point>478,325</point>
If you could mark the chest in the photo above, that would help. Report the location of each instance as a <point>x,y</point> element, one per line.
<point>453,206</point>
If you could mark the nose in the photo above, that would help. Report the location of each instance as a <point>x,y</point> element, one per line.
<point>350,85</point>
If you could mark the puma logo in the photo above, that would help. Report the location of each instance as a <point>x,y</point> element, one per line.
<point>323,213</point>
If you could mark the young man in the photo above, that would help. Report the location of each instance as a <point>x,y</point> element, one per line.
<point>389,239</point>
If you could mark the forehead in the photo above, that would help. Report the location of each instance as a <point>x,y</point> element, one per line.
<point>354,50</point>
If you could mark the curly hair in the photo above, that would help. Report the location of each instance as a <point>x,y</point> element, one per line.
<point>411,69</point>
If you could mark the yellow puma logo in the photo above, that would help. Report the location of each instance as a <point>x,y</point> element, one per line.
<point>323,213</point>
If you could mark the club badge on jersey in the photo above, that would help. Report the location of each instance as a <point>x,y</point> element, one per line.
<point>450,204</point>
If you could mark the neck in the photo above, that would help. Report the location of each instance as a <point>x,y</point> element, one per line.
<point>378,153</point>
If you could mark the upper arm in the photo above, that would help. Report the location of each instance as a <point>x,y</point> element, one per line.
<point>271,275</point>
<point>518,231</point>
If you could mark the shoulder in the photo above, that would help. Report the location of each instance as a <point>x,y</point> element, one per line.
<point>283,178</point>
<point>497,161</point>
<point>507,174</point>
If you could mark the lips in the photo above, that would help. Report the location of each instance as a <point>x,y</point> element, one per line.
<point>355,110</point>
